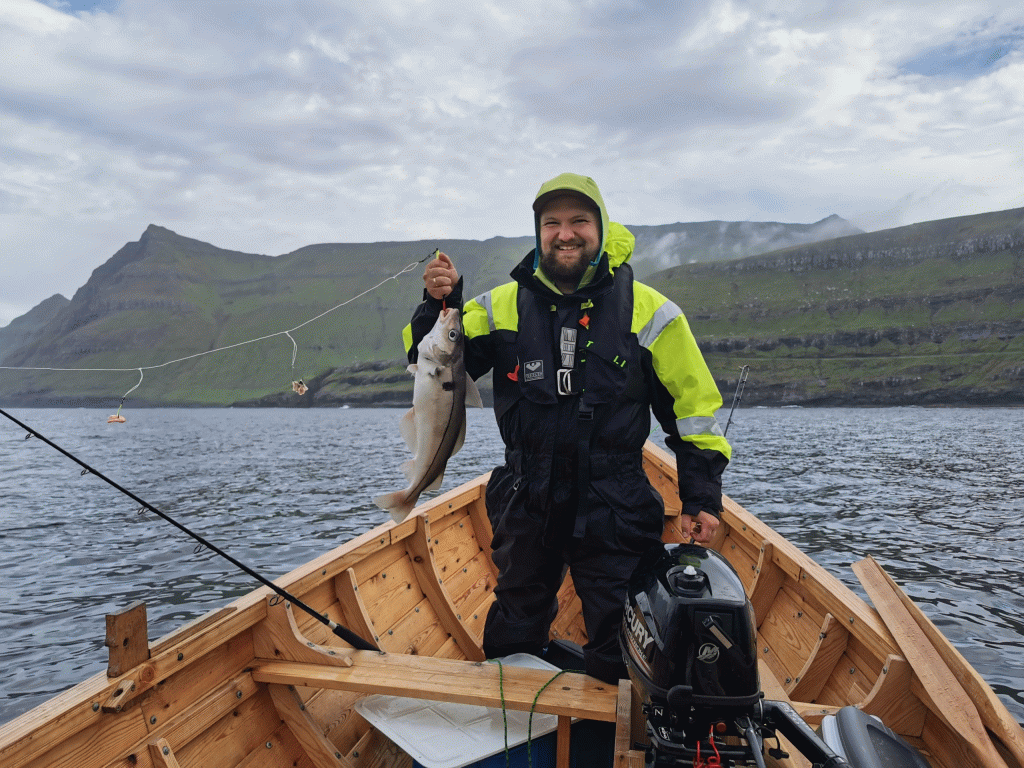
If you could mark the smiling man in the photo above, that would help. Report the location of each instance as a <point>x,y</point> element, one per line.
<point>581,354</point>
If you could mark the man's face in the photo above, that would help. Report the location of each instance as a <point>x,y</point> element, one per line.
<point>569,239</point>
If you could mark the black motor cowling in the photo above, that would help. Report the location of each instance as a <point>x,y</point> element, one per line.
<point>690,644</point>
<point>688,633</point>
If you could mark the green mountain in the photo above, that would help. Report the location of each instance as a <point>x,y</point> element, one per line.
<point>921,314</point>
<point>19,331</point>
<point>931,313</point>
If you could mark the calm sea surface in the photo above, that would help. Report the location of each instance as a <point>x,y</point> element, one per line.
<point>936,496</point>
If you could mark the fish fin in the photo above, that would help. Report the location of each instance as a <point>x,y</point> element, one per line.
<point>409,470</point>
<point>411,368</point>
<point>396,504</point>
<point>436,484</point>
<point>473,394</point>
<point>460,439</point>
<point>398,515</point>
<point>407,428</point>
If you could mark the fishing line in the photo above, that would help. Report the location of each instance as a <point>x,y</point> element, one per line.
<point>344,633</point>
<point>737,396</point>
<point>288,333</point>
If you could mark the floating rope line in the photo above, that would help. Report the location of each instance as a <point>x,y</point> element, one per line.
<point>296,386</point>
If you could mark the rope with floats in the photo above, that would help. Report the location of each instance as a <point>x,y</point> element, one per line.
<point>346,634</point>
<point>297,386</point>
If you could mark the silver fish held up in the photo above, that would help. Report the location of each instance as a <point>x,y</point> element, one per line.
<point>435,427</point>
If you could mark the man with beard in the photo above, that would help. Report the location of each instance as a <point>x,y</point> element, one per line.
<point>581,354</point>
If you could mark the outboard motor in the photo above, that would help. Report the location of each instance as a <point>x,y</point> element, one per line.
<point>690,645</point>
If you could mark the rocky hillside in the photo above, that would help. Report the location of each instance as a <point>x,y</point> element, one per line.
<point>930,314</point>
<point>20,330</point>
<point>924,314</point>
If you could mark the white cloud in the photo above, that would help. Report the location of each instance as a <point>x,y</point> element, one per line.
<point>264,127</point>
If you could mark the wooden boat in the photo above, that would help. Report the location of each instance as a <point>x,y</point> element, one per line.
<point>257,684</point>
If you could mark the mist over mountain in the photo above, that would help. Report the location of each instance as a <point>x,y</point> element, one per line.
<point>165,302</point>
<point>669,245</point>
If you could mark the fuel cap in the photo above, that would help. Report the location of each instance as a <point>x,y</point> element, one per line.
<point>686,580</point>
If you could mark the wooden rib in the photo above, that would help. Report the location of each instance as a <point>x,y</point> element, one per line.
<point>462,682</point>
<point>768,580</point>
<point>831,645</point>
<point>278,637</point>
<point>352,605</point>
<point>625,755</point>
<point>429,581</point>
<point>948,696</point>
<point>482,529</point>
<point>892,700</point>
<point>162,755</point>
<point>316,746</point>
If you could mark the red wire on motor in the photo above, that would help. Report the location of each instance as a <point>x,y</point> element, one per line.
<point>711,762</point>
<point>716,761</point>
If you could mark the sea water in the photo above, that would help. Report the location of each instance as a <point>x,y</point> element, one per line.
<point>935,495</point>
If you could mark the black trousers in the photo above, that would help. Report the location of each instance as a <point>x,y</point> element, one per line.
<point>601,561</point>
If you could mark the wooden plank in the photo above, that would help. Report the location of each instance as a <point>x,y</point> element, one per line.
<point>472,587</point>
<point>280,750</point>
<point>790,634</point>
<point>994,714</point>
<point>391,593</point>
<point>204,712</point>
<point>563,742</point>
<point>463,682</point>
<point>625,755</point>
<point>420,632</point>
<point>375,750</point>
<point>343,725</point>
<point>127,639</point>
<point>948,696</point>
<point>454,546</point>
<point>316,746</point>
<point>774,691</point>
<point>482,529</point>
<point>813,581</point>
<point>162,755</point>
<point>832,640</point>
<point>229,740</point>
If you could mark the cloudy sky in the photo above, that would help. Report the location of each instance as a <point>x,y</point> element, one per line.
<point>264,126</point>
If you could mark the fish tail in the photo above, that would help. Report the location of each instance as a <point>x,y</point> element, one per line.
<point>396,503</point>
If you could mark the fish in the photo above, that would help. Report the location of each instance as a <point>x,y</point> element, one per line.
<point>435,427</point>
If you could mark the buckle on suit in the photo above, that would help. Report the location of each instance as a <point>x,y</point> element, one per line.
<point>568,381</point>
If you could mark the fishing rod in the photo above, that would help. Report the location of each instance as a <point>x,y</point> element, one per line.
<point>343,632</point>
<point>737,396</point>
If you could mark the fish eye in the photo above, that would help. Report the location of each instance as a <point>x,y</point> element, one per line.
<point>453,335</point>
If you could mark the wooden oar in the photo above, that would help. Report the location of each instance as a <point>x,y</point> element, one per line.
<point>994,714</point>
<point>949,697</point>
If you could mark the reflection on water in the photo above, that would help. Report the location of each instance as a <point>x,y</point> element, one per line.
<point>930,493</point>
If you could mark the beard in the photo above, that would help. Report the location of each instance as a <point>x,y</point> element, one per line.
<point>559,270</point>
